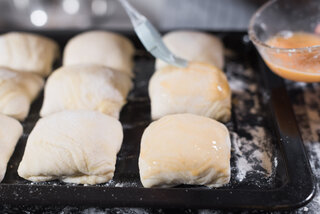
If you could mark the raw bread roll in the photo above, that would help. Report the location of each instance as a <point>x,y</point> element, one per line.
<point>86,87</point>
<point>10,132</point>
<point>102,48</point>
<point>194,46</point>
<point>198,89</point>
<point>26,52</point>
<point>185,149</point>
<point>73,146</point>
<point>17,91</point>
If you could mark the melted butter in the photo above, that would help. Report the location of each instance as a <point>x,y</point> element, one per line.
<point>298,66</point>
<point>185,143</point>
<point>198,79</point>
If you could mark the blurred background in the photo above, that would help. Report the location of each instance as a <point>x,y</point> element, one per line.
<point>164,14</point>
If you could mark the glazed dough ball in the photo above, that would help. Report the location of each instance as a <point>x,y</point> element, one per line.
<point>17,91</point>
<point>102,48</point>
<point>194,46</point>
<point>73,146</point>
<point>200,89</point>
<point>86,87</point>
<point>26,52</point>
<point>185,149</point>
<point>10,132</point>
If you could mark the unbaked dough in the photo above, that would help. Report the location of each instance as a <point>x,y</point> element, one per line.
<point>200,89</point>
<point>26,52</point>
<point>194,46</point>
<point>10,132</point>
<point>87,87</point>
<point>17,91</point>
<point>73,146</point>
<point>102,48</point>
<point>185,149</point>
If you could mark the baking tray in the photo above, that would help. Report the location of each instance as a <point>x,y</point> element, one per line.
<point>289,185</point>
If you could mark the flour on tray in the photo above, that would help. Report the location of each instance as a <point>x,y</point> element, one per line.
<point>306,99</point>
<point>252,155</point>
<point>252,148</point>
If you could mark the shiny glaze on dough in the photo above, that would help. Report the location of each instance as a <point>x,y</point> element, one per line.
<point>199,88</point>
<point>185,149</point>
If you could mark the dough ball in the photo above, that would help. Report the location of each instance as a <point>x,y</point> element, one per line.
<point>86,87</point>
<point>10,132</point>
<point>102,48</point>
<point>17,91</point>
<point>26,52</point>
<point>194,46</point>
<point>72,146</point>
<point>185,149</point>
<point>200,89</point>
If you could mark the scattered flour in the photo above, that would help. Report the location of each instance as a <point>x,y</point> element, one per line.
<point>252,147</point>
<point>306,99</point>
<point>251,156</point>
<point>113,183</point>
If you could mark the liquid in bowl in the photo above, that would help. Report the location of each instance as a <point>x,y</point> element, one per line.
<point>301,62</point>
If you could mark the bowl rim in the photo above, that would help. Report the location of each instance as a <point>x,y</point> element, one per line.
<point>258,42</point>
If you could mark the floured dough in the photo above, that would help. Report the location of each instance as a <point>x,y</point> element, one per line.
<point>102,48</point>
<point>73,146</point>
<point>194,46</point>
<point>10,132</point>
<point>26,52</point>
<point>185,149</point>
<point>87,87</point>
<point>17,91</point>
<point>200,89</point>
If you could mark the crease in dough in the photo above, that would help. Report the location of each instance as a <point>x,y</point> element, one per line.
<point>194,46</point>
<point>200,89</point>
<point>26,52</point>
<point>17,91</point>
<point>86,87</point>
<point>72,146</point>
<point>185,149</point>
<point>10,132</point>
<point>102,48</point>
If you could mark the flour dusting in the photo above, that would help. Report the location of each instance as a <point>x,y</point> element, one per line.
<point>252,148</point>
<point>252,155</point>
<point>113,183</point>
<point>306,99</point>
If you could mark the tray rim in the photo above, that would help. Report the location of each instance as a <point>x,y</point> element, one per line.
<point>281,198</point>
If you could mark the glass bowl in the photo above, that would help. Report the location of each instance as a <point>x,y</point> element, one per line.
<point>279,17</point>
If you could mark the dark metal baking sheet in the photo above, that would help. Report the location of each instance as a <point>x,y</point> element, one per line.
<point>291,184</point>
